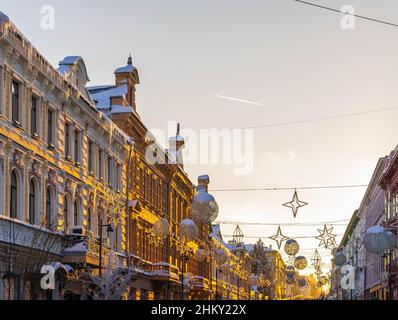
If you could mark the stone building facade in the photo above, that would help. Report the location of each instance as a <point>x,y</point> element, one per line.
<point>157,190</point>
<point>62,166</point>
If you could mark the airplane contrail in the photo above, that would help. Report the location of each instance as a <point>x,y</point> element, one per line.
<point>240,100</point>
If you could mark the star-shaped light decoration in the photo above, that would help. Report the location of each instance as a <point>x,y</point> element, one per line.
<point>295,204</point>
<point>326,238</point>
<point>290,260</point>
<point>316,260</point>
<point>279,238</point>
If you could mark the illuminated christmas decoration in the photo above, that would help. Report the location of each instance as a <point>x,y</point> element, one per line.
<point>292,247</point>
<point>300,263</point>
<point>378,240</point>
<point>295,204</point>
<point>290,271</point>
<point>187,230</point>
<point>302,282</point>
<point>339,258</point>
<point>221,257</point>
<point>161,228</point>
<point>316,260</point>
<point>204,208</point>
<point>200,255</point>
<point>326,238</point>
<point>290,260</point>
<point>323,280</point>
<point>279,238</point>
<point>238,235</point>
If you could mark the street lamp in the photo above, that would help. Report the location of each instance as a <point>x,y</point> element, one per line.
<point>109,229</point>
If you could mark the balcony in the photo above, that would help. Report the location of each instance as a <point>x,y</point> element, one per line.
<point>83,249</point>
<point>200,283</point>
<point>164,271</point>
<point>25,235</point>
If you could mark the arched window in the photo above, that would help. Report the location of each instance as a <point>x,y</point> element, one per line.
<point>32,202</point>
<point>49,208</point>
<point>89,216</point>
<point>14,196</point>
<point>66,212</point>
<point>76,208</point>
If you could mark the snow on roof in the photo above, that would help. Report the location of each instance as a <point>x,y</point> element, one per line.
<point>3,18</point>
<point>63,69</point>
<point>70,60</point>
<point>102,98</point>
<point>176,139</point>
<point>125,69</point>
<point>80,247</point>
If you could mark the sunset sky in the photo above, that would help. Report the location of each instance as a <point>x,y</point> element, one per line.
<point>279,61</point>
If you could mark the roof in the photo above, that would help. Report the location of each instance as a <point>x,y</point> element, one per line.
<point>350,228</point>
<point>102,94</point>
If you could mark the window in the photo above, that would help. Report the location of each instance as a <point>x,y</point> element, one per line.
<point>15,102</point>
<point>109,169</point>
<point>33,117</point>
<point>14,196</point>
<point>116,239</point>
<point>76,213</point>
<point>99,222</point>
<point>50,128</point>
<point>89,219</point>
<point>66,211</point>
<point>49,208</point>
<point>100,163</point>
<point>90,156</point>
<point>32,202</point>
<point>76,147</point>
<point>67,140</point>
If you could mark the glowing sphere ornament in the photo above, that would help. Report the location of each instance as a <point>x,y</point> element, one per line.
<point>302,282</point>
<point>378,240</point>
<point>290,271</point>
<point>161,228</point>
<point>204,208</point>
<point>187,230</point>
<point>200,255</point>
<point>290,280</point>
<point>221,257</point>
<point>300,263</point>
<point>340,259</point>
<point>292,247</point>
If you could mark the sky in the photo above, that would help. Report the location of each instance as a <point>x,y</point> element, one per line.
<point>279,61</point>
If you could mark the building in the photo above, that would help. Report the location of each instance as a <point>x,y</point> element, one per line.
<point>269,265</point>
<point>389,183</point>
<point>62,171</point>
<point>372,207</point>
<point>370,268</point>
<point>157,189</point>
<point>229,281</point>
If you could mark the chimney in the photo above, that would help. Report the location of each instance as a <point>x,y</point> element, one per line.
<point>203,183</point>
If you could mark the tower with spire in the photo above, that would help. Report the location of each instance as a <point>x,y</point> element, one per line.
<point>176,146</point>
